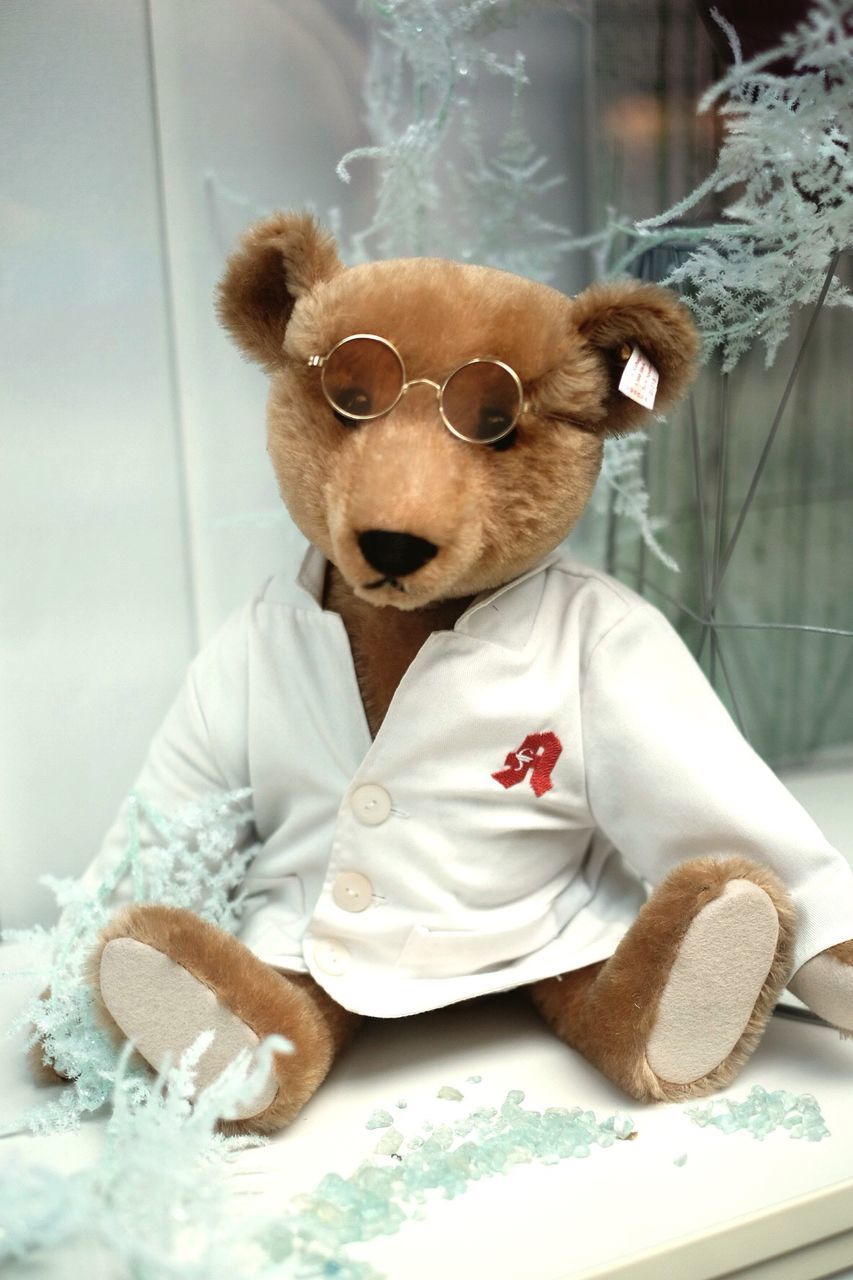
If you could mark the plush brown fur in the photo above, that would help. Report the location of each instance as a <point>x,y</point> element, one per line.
<point>626,313</point>
<point>842,951</point>
<point>279,260</point>
<point>491,513</point>
<point>607,1011</point>
<point>384,641</point>
<point>267,1001</point>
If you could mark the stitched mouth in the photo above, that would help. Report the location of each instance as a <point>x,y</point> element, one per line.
<point>384,582</point>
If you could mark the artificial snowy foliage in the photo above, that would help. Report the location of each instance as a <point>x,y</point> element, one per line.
<point>786,168</point>
<point>196,859</point>
<point>622,489</point>
<point>39,1209</point>
<point>158,1193</point>
<point>156,1200</point>
<point>496,198</point>
<point>437,193</point>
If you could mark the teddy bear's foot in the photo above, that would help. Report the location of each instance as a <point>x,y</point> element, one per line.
<point>163,1008</point>
<point>682,1003</point>
<point>825,984</point>
<point>718,974</point>
<point>163,976</point>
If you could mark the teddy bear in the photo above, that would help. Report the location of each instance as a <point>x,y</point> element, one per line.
<point>476,764</point>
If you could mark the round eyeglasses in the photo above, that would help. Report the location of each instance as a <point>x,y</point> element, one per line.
<point>363,377</point>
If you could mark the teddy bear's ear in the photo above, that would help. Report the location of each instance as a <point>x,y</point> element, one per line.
<point>277,260</point>
<point>617,316</point>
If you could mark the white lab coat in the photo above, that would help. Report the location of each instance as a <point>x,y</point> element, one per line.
<point>401,873</point>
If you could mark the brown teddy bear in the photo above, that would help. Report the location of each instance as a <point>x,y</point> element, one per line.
<point>467,752</point>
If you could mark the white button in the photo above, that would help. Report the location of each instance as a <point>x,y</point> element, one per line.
<point>352,891</point>
<point>371,804</point>
<point>331,956</point>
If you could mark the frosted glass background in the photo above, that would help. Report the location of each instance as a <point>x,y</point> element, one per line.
<point>137,507</point>
<point>791,690</point>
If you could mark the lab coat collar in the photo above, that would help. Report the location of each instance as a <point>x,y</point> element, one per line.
<point>312,574</point>
<point>504,616</point>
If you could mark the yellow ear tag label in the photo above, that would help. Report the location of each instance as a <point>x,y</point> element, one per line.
<point>640,379</point>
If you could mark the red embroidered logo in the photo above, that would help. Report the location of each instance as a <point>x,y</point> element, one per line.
<point>537,755</point>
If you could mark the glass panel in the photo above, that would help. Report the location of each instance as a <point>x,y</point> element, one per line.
<point>774,654</point>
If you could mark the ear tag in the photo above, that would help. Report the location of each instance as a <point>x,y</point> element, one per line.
<point>639,379</point>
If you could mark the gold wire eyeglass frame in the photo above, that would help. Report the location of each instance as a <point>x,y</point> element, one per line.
<point>320,362</point>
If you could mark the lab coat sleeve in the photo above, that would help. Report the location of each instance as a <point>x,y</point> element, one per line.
<point>200,749</point>
<point>669,777</point>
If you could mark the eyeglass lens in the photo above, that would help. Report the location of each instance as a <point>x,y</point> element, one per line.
<point>363,378</point>
<point>481,401</point>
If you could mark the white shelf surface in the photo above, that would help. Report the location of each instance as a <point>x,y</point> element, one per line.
<point>627,1211</point>
<point>779,1208</point>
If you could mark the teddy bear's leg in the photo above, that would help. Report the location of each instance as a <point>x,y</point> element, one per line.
<point>825,984</point>
<point>683,1001</point>
<point>162,976</point>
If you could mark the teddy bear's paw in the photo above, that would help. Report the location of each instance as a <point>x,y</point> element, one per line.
<point>714,985</point>
<point>825,984</point>
<point>163,1009</point>
<point>162,976</point>
<point>682,1002</point>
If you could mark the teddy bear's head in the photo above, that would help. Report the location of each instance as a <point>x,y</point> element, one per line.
<point>435,427</point>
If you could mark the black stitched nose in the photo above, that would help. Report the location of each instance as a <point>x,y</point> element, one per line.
<point>395,554</point>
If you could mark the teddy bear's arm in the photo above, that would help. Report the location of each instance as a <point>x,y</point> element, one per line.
<point>670,778</point>
<point>825,984</point>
